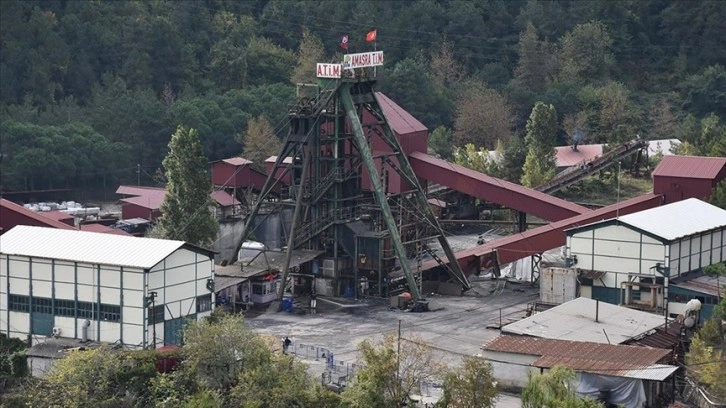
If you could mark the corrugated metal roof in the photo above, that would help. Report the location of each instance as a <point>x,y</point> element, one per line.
<point>151,202</point>
<point>273,159</point>
<point>398,119</point>
<point>224,282</point>
<point>595,358</point>
<point>87,247</point>
<point>690,167</point>
<point>223,198</point>
<point>684,218</point>
<point>703,284</point>
<point>575,320</point>
<point>566,157</point>
<point>266,261</point>
<point>57,215</point>
<point>104,229</point>
<point>236,161</point>
<point>138,190</point>
<point>7,205</point>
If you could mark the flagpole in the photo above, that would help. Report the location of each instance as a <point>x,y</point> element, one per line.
<point>375,48</point>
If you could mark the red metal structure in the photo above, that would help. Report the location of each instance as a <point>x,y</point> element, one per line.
<point>492,189</point>
<point>681,177</point>
<point>541,239</point>
<point>238,173</point>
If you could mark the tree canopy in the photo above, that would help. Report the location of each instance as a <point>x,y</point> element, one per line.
<point>124,74</point>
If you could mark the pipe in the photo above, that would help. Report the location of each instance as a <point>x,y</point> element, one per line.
<point>84,331</point>
<point>597,311</point>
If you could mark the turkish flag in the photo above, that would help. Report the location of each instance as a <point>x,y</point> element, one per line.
<point>344,42</point>
<point>371,36</point>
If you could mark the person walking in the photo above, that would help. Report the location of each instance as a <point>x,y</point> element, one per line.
<point>286,344</point>
<point>313,299</point>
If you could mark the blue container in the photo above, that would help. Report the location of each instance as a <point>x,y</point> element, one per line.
<point>287,304</point>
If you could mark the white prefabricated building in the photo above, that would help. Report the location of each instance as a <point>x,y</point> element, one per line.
<point>632,258</point>
<point>138,292</point>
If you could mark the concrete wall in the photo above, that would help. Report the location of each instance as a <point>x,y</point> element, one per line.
<point>229,233</point>
<point>511,370</point>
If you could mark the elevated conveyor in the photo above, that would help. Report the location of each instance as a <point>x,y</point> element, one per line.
<point>492,189</point>
<point>541,239</point>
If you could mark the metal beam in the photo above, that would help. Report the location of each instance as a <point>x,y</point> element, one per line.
<point>404,169</point>
<point>367,156</point>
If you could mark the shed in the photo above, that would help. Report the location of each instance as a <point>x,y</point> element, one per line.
<point>627,372</point>
<point>638,253</point>
<point>238,173</point>
<point>284,175</point>
<point>708,290</point>
<point>137,292</point>
<point>42,356</point>
<point>567,156</point>
<point>680,177</point>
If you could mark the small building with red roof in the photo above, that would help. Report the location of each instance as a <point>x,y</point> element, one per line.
<point>681,177</point>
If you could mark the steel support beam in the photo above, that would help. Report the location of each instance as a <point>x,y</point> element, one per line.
<point>367,156</point>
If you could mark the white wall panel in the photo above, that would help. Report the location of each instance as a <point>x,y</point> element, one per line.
<point>202,286</point>
<point>133,280</point>
<point>86,274</point>
<point>67,325</point>
<point>42,289</point>
<point>180,258</point>
<point>156,280</point>
<point>172,310</point>
<point>110,296</point>
<point>654,252</point>
<point>179,292</point>
<point>87,293</point>
<point>188,307</point>
<point>110,332</point>
<point>19,267</point>
<point>133,315</point>
<point>133,335</point>
<point>64,272</point>
<point>617,233</point>
<point>133,298</point>
<point>610,264</point>
<point>3,265</point>
<point>64,290</point>
<point>19,322</point>
<point>618,249</point>
<point>42,269</point>
<point>20,286</point>
<point>110,277</point>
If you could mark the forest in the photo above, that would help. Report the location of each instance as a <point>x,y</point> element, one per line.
<point>89,90</point>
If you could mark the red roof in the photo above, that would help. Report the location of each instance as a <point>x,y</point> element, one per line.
<point>690,167</point>
<point>597,358</point>
<point>103,229</point>
<point>139,190</point>
<point>223,198</point>
<point>398,119</point>
<point>566,157</point>
<point>8,209</point>
<point>56,215</point>
<point>152,202</point>
<point>236,161</point>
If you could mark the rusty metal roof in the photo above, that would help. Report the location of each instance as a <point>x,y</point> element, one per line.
<point>703,284</point>
<point>398,119</point>
<point>235,161</point>
<point>595,358</point>
<point>566,157</point>
<point>690,167</point>
<point>223,198</point>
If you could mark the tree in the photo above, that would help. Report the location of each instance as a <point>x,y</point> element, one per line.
<point>585,53</point>
<point>309,53</point>
<point>554,389</point>
<point>718,195</point>
<point>479,160</point>
<point>260,142</point>
<point>536,64</point>
<point>705,360</point>
<point>484,116</point>
<point>185,210</point>
<point>445,69</point>
<point>440,143</point>
<point>100,377</point>
<point>388,376</point>
<point>470,386</point>
<point>541,138</point>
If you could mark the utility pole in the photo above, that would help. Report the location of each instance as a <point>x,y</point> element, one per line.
<point>398,362</point>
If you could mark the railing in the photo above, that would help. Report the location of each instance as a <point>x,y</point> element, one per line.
<point>307,231</point>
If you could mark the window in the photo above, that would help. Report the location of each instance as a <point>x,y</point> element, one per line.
<point>65,308</point>
<point>18,303</point>
<point>86,310</point>
<point>204,303</point>
<point>156,314</point>
<point>42,305</point>
<point>110,313</point>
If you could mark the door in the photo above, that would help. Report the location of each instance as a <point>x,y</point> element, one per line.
<point>174,329</point>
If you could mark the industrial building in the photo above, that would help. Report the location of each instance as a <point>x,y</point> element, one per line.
<point>138,292</point>
<point>631,259</point>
